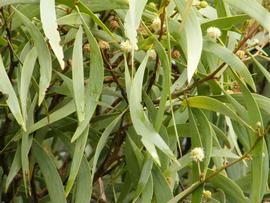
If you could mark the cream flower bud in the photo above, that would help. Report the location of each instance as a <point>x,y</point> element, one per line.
<point>241,54</point>
<point>207,194</point>
<point>126,46</point>
<point>156,24</point>
<point>258,124</point>
<point>197,154</point>
<point>103,44</point>
<point>213,32</point>
<point>152,54</point>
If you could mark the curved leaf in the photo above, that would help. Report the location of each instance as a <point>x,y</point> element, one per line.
<point>48,19</point>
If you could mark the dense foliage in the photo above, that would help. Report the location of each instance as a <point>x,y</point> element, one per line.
<point>134,101</point>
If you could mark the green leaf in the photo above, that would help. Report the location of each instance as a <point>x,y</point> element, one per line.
<point>232,190</point>
<point>48,19</point>
<point>132,20</point>
<point>144,177</point>
<point>165,84</point>
<point>95,84</point>
<point>83,186</point>
<point>15,167</point>
<point>8,2</point>
<point>142,125</point>
<point>254,10</point>
<point>50,174</point>
<point>161,187</point>
<point>77,159</point>
<point>59,114</point>
<point>190,38</point>
<point>232,60</point>
<point>97,5</point>
<point>12,100</point>
<point>260,166</point>
<point>147,193</point>
<point>43,53</point>
<point>261,68</point>
<point>78,76</point>
<point>26,74</point>
<point>101,144</point>
<point>73,19</point>
<point>224,23</point>
<point>84,9</point>
<point>204,102</point>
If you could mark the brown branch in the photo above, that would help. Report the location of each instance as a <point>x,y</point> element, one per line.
<point>212,75</point>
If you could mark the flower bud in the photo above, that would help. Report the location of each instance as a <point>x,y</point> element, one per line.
<point>203,4</point>
<point>213,32</point>
<point>86,48</point>
<point>152,54</point>
<point>240,54</point>
<point>153,5</point>
<point>114,24</point>
<point>197,154</point>
<point>156,24</point>
<point>258,124</point>
<point>207,194</point>
<point>175,54</point>
<point>126,46</point>
<point>103,44</point>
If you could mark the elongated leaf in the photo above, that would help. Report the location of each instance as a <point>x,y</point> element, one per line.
<point>161,187</point>
<point>254,9</point>
<point>48,19</point>
<point>43,53</point>
<point>132,20</point>
<point>148,191</point>
<point>27,140</point>
<point>101,144</point>
<point>196,140</point>
<point>83,8</point>
<point>94,87</point>
<point>142,125</point>
<point>27,71</point>
<point>12,100</point>
<point>26,145</point>
<point>261,68</point>
<point>15,167</point>
<point>73,19</point>
<point>8,2</point>
<point>59,114</point>
<point>224,23</point>
<point>77,158</point>
<point>145,174</point>
<point>50,174</point>
<point>165,86</point>
<point>190,38</point>
<point>231,189</point>
<point>83,187</point>
<point>78,76</point>
<point>203,102</point>
<point>260,166</point>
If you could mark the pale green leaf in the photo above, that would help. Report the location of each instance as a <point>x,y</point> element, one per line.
<point>48,19</point>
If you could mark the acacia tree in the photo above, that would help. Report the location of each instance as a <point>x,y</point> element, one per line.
<point>134,101</point>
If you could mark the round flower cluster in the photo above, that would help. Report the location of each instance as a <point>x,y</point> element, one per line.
<point>207,194</point>
<point>156,24</point>
<point>126,46</point>
<point>213,32</point>
<point>197,154</point>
